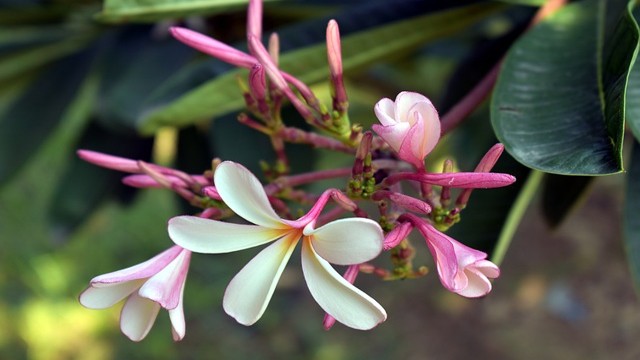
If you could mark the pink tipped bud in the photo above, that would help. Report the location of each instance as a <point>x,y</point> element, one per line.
<point>343,200</point>
<point>109,161</point>
<point>274,48</point>
<point>490,159</point>
<point>395,236</point>
<point>257,82</point>
<point>334,55</point>
<point>487,163</point>
<point>210,213</point>
<point>254,18</point>
<point>213,47</point>
<point>404,201</point>
<point>211,192</point>
<point>161,179</point>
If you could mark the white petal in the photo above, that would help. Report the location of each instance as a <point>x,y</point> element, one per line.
<point>404,102</point>
<point>335,295</point>
<point>244,194</point>
<point>216,237</point>
<point>137,317</point>
<point>477,285</point>
<point>248,294</point>
<point>348,241</point>
<point>178,327</point>
<point>385,112</point>
<point>108,295</point>
<point>166,286</point>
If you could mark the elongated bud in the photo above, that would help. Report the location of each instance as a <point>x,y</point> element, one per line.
<point>395,236</point>
<point>487,163</point>
<point>343,200</point>
<point>155,175</point>
<point>109,161</point>
<point>445,193</point>
<point>257,82</point>
<point>254,18</point>
<point>146,181</point>
<point>361,153</point>
<point>462,180</point>
<point>404,201</point>
<point>334,55</point>
<point>274,48</point>
<point>211,192</point>
<point>213,47</point>
<point>210,213</point>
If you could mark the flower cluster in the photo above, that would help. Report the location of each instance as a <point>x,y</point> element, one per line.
<point>406,196</point>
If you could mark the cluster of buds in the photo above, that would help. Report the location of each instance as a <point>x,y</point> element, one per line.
<point>388,171</point>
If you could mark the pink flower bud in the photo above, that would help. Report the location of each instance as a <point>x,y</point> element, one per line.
<point>410,125</point>
<point>213,47</point>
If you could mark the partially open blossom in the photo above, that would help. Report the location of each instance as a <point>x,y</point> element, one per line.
<point>342,242</point>
<point>410,125</point>
<point>154,284</point>
<point>461,269</point>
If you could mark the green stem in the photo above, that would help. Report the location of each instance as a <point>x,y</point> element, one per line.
<point>515,215</point>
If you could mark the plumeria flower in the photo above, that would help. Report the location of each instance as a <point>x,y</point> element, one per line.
<point>461,269</point>
<point>155,283</point>
<point>410,125</point>
<point>341,242</point>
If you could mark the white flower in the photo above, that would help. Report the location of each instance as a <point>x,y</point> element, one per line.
<point>342,242</point>
<point>155,283</point>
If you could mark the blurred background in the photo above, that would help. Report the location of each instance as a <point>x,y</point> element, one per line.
<point>107,77</point>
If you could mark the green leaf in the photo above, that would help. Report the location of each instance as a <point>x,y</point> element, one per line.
<point>136,66</point>
<point>19,62</point>
<point>558,105</point>
<point>28,121</point>
<point>119,11</point>
<point>631,220</point>
<point>222,95</point>
<point>561,194</point>
<point>633,92</point>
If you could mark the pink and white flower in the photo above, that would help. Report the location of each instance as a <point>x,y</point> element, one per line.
<point>343,242</point>
<point>461,269</point>
<point>154,284</point>
<point>410,125</point>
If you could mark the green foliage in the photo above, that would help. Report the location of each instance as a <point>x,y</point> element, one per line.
<point>559,108</point>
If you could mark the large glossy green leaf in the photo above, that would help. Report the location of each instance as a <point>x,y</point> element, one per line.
<point>558,105</point>
<point>631,220</point>
<point>117,11</point>
<point>633,92</point>
<point>221,95</point>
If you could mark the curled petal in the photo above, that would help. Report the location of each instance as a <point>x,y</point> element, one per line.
<point>394,135</point>
<point>395,236</point>
<point>248,294</point>
<point>178,327</point>
<point>108,295</point>
<point>141,271</point>
<point>137,317</point>
<point>216,237</point>
<point>166,286</point>
<point>347,241</point>
<point>405,101</point>
<point>336,296</point>
<point>244,194</point>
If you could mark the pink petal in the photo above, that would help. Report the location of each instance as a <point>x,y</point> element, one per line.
<point>477,284</point>
<point>178,326</point>
<point>140,271</point>
<point>393,135</point>
<point>166,286</point>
